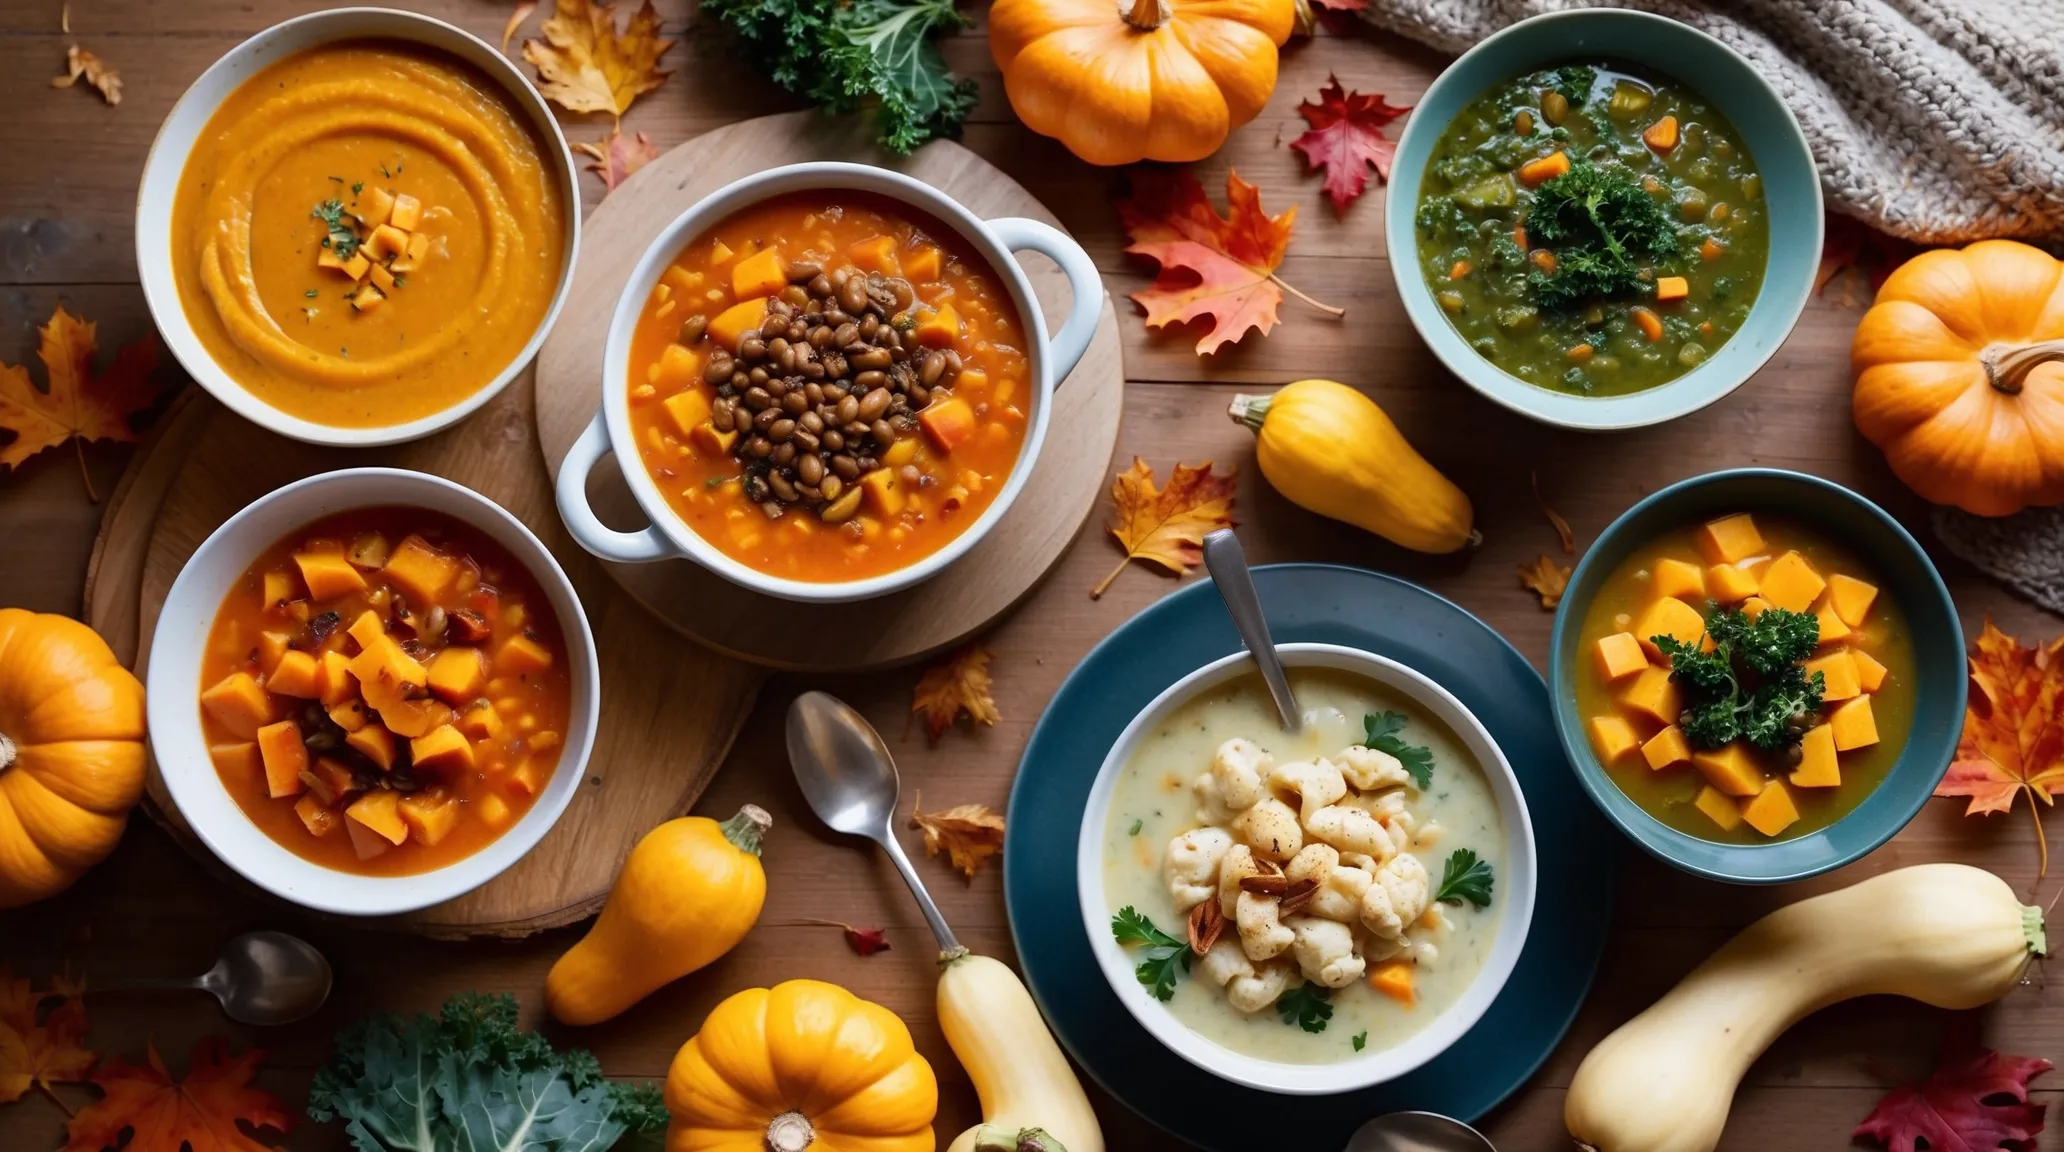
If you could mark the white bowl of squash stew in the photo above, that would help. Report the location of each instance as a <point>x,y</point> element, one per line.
<point>1310,913</point>
<point>371,691</point>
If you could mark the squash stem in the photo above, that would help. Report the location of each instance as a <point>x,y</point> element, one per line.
<point>2007,365</point>
<point>1286,286</point>
<point>790,1132</point>
<point>745,829</point>
<point>1249,410</point>
<point>6,752</point>
<point>2032,931</point>
<point>952,956</point>
<point>1146,15</point>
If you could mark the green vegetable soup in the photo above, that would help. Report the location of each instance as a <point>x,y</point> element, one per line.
<point>1593,230</point>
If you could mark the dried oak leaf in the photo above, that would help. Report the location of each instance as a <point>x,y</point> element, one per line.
<point>201,1112</point>
<point>517,16</point>
<point>1167,526</point>
<point>1223,268</point>
<point>101,75</point>
<point>1546,579</point>
<point>2012,741</point>
<point>36,1053</point>
<point>79,405</point>
<point>1346,139</point>
<point>585,65</point>
<point>959,684</point>
<point>1977,1101</point>
<point>616,156</point>
<point>969,834</point>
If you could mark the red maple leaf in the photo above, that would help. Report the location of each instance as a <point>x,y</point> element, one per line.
<point>1346,140</point>
<point>1975,1102</point>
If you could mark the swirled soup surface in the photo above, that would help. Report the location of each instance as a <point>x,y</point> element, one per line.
<point>367,233</point>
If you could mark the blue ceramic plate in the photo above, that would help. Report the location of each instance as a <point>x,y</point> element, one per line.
<point>1333,605</point>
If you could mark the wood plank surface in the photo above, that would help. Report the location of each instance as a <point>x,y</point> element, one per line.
<point>66,200</point>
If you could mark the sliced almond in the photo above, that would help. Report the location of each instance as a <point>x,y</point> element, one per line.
<point>1297,895</point>
<point>1206,922</point>
<point>1263,884</point>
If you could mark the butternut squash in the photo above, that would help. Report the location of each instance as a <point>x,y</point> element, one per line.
<point>1030,1097</point>
<point>1332,451</point>
<point>1945,934</point>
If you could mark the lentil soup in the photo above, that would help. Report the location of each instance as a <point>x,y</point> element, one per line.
<point>829,386</point>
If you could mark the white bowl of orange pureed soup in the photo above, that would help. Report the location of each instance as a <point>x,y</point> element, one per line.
<point>827,382</point>
<point>357,226</point>
<point>372,691</point>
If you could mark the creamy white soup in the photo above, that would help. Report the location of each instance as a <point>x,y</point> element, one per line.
<point>1333,891</point>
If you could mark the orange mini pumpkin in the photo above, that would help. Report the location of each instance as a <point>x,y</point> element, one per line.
<point>1119,81</point>
<point>1960,376</point>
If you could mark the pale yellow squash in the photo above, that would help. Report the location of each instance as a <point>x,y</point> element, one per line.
<point>1024,1081</point>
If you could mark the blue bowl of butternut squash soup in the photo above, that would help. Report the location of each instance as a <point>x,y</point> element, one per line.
<point>1758,674</point>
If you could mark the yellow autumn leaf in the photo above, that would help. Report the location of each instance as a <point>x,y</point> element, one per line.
<point>98,73</point>
<point>1166,526</point>
<point>959,684</point>
<point>969,834</point>
<point>585,65</point>
<point>1546,579</point>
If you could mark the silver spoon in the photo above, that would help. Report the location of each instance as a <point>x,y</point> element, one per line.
<point>261,978</point>
<point>1417,1132</point>
<point>850,780</point>
<point>1227,564</point>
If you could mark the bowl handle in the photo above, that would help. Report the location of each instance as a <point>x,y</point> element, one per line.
<point>581,522</point>
<point>1019,234</point>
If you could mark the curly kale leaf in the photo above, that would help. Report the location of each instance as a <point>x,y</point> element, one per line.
<point>1601,224</point>
<point>1575,82</point>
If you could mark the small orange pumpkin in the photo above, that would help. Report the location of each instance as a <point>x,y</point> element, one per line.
<point>1960,376</point>
<point>1119,81</point>
<point>71,753</point>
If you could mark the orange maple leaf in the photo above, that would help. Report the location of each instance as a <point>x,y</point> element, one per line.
<point>969,834</point>
<point>1546,579</point>
<point>2012,741</point>
<point>959,684</point>
<point>585,65</point>
<point>1167,527</point>
<point>616,156</point>
<point>200,1113</point>
<point>1211,266</point>
<point>79,406</point>
<point>98,73</point>
<point>38,1053</point>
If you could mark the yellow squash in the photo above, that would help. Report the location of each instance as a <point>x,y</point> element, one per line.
<point>1030,1097</point>
<point>1331,450</point>
<point>71,753</point>
<point>800,1066</point>
<point>689,892</point>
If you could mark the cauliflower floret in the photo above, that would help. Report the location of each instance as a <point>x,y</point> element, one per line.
<point>1312,862</point>
<point>1340,895</point>
<point>1377,949</point>
<point>1350,829</point>
<point>1423,953</point>
<point>1397,898</point>
<point>1428,835</point>
<point>1239,864</point>
<point>1192,865</point>
<point>1325,951</point>
<point>1251,994</point>
<point>1360,860</point>
<point>1369,769</point>
<point>1224,962</point>
<point>1315,783</point>
<point>1270,828</point>
<point>1211,807</point>
<point>1262,936</point>
<point>1238,767</point>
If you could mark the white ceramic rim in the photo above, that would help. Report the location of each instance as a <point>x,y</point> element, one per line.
<point>165,168</point>
<point>728,201</point>
<point>1515,886</point>
<point>174,686</point>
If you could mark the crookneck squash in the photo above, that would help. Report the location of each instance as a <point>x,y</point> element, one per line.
<point>1119,81</point>
<point>71,753</point>
<point>801,1065</point>
<point>1960,376</point>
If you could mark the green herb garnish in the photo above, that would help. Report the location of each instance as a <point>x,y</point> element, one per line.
<point>1136,826</point>
<point>1465,878</point>
<point>1381,733</point>
<point>358,187</point>
<point>1360,1040</point>
<point>1575,82</point>
<point>1765,652</point>
<point>1163,957</point>
<point>341,237</point>
<point>311,294</point>
<point>1306,1006</point>
<point>1599,222</point>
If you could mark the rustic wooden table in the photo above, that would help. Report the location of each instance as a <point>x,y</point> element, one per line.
<point>66,210</point>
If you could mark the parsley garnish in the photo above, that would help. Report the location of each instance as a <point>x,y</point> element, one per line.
<point>1306,1006</point>
<point>1359,1040</point>
<point>342,239</point>
<point>1381,733</point>
<point>1136,826</point>
<point>1163,957</point>
<point>1599,222</point>
<point>357,187</point>
<point>1766,652</point>
<point>1465,878</point>
<point>311,293</point>
<point>1575,82</point>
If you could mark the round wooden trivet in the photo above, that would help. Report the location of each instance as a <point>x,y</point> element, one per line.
<point>1066,482</point>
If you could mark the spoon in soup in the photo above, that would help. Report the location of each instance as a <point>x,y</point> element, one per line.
<point>1417,1132</point>
<point>1227,563</point>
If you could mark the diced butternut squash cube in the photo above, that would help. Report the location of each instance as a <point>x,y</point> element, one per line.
<point>493,811</point>
<point>949,423</point>
<point>329,780</point>
<point>1731,769</point>
<point>878,254</point>
<point>522,655</point>
<point>1679,579</point>
<point>376,743</point>
<point>357,266</point>
<point>368,299</point>
<point>375,207</point>
<point>238,761</point>
<point>1654,695</point>
<point>1393,978</point>
<point>712,442</point>
<point>884,493</point>
<point>680,369</point>
<point>418,247</point>
<point>317,819</point>
<point>1729,584</point>
<point>529,777</point>
<point>444,749</point>
<point>350,715</point>
<point>734,322</point>
<point>761,274</point>
<point>480,721</point>
<point>379,811</point>
<point>364,841</point>
<point>1839,673</point>
<point>368,629</point>
<point>294,676</point>
<point>334,683</point>
<point>1791,583</point>
<point>328,258</point>
<point>1729,539</point>
<point>1854,724</point>
<point>239,705</point>
<point>1851,598</point>
<point>1668,616</point>
<point>940,327</point>
<point>1818,766</point>
<point>386,241</point>
<point>408,213</point>
<point>721,253</point>
<point>419,570</point>
<point>1772,811</point>
<point>285,758</point>
<point>430,815</point>
<point>385,672</point>
<point>687,410</point>
<point>1666,748</point>
<point>1620,655</point>
<point>271,646</point>
<point>1870,675</point>
<point>1724,810</point>
<point>1753,607</point>
<point>922,265</point>
<point>279,588</point>
<point>458,674</point>
<point>382,278</point>
<point>1832,630</point>
<point>1612,737</point>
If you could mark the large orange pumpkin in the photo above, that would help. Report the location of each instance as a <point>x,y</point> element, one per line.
<point>1960,376</point>
<point>1119,81</point>
<point>71,753</point>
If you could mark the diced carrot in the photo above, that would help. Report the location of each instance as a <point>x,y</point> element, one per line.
<point>1544,260</point>
<point>922,265</point>
<point>938,328</point>
<point>1519,236</point>
<point>1460,270</point>
<point>1661,135</point>
<point>1668,288</point>
<point>949,423</point>
<point>1581,352</point>
<point>1651,185</point>
<point>1537,172</point>
<point>1393,978</point>
<point>877,253</point>
<point>1712,249</point>
<point>1705,328</point>
<point>1651,324</point>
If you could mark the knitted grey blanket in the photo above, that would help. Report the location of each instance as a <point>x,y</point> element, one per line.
<point>1938,120</point>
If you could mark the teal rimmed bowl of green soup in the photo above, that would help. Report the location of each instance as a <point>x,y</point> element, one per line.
<point>1603,219</point>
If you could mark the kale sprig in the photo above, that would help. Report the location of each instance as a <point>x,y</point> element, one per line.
<point>1600,223</point>
<point>1380,731</point>
<point>1163,958</point>
<point>1719,706</point>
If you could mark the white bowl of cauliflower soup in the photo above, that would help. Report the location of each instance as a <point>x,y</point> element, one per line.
<point>1306,914</point>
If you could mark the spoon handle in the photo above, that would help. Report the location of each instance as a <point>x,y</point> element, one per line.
<point>940,932</point>
<point>1227,563</point>
<point>151,984</point>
